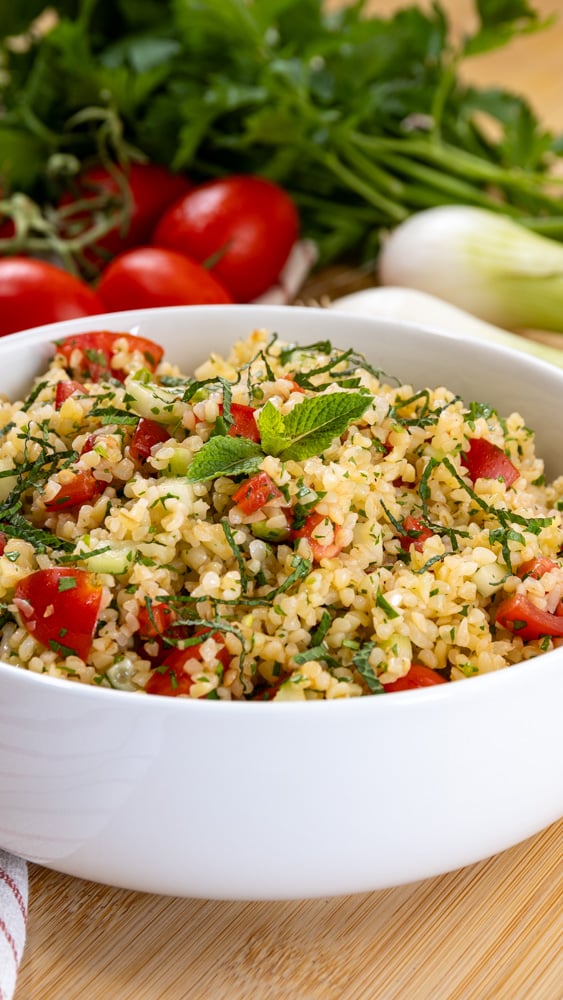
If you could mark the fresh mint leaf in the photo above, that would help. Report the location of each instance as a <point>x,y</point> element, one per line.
<point>225,456</point>
<point>271,424</point>
<point>311,426</point>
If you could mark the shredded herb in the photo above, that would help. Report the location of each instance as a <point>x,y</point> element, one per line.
<point>365,670</point>
<point>236,552</point>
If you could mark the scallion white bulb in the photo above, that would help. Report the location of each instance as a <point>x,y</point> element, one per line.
<point>487,264</point>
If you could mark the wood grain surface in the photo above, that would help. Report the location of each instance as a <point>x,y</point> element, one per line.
<point>492,931</point>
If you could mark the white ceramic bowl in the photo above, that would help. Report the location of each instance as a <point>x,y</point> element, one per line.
<point>270,800</point>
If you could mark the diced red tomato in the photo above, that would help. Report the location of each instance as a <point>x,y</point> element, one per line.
<point>295,387</point>
<point>169,680</point>
<point>267,693</point>
<point>418,676</point>
<point>97,349</point>
<point>416,533</point>
<point>318,549</point>
<point>83,488</point>
<point>484,460</point>
<point>521,617</point>
<point>244,422</point>
<point>170,677</point>
<point>255,493</point>
<point>60,607</point>
<point>147,434</point>
<point>66,389</point>
<point>157,621</point>
<point>3,542</point>
<point>536,567</point>
<point>88,444</point>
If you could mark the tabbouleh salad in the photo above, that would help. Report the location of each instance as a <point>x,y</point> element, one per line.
<point>287,523</point>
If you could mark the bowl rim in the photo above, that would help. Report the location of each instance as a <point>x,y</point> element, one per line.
<point>127,320</point>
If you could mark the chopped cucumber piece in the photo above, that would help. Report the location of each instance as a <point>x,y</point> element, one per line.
<point>260,529</point>
<point>489,578</point>
<point>115,558</point>
<point>290,691</point>
<point>154,402</point>
<point>179,462</point>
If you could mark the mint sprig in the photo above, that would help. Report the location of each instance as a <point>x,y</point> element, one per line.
<point>311,426</point>
<point>225,456</point>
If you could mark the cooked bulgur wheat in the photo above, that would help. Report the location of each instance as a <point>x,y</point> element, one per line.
<point>244,553</point>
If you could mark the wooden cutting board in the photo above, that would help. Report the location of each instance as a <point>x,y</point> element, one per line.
<point>492,931</point>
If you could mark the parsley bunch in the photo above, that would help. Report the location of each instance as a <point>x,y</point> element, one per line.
<point>362,119</point>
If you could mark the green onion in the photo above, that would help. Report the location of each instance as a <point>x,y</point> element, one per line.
<point>480,261</point>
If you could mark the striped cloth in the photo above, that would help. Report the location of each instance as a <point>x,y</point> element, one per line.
<point>13,920</point>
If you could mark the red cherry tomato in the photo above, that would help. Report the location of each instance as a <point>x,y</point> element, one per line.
<point>59,607</point>
<point>484,460</point>
<point>243,226</point>
<point>521,617</point>
<point>88,355</point>
<point>33,292</point>
<point>147,434</point>
<point>83,488</point>
<point>255,493</point>
<point>418,676</point>
<point>416,533</point>
<point>318,549</point>
<point>150,277</point>
<point>152,189</point>
<point>64,390</point>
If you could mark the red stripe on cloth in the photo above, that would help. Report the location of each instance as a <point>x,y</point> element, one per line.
<point>10,941</point>
<point>8,880</point>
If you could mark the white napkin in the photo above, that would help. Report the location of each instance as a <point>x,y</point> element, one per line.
<point>13,920</point>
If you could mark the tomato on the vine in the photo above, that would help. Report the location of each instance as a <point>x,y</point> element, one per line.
<point>33,292</point>
<point>243,227</point>
<point>151,276</point>
<point>152,189</point>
